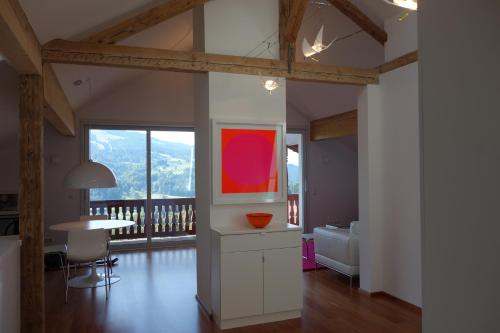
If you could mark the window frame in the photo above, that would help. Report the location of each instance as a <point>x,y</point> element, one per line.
<point>87,126</point>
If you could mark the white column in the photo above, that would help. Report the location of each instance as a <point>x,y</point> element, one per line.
<point>370,178</point>
<point>232,27</point>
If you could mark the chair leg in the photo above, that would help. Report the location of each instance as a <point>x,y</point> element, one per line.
<point>106,273</point>
<point>62,266</point>
<point>110,262</point>
<point>67,284</point>
<point>111,268</point>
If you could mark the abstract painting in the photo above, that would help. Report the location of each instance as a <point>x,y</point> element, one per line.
<point>248,163</point>
<point>248,160</point>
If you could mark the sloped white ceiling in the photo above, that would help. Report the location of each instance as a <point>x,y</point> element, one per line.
<point>75,19</point>
<point>72,19</point>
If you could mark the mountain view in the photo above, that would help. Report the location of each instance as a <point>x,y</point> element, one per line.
<point>172,165</point>
<point>293,178</point>
<point>124,152</point>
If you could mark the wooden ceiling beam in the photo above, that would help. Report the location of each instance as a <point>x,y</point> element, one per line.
<point>21,48</point>
<point>295,17</point>
<point>18,42</point>
<point>362,20</point>
<point>143,21</point>
<point>82,53</point>
<point>336,126</point>
<point>404,60</point>
<point>284,12</point>
<point>57,111</point>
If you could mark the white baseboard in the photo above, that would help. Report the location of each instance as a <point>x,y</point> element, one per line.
<point>261,319</point>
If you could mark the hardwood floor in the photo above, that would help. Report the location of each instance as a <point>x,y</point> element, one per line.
<point>156,294</point>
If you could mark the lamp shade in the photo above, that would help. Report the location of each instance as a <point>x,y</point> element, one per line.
<point>90,174</point>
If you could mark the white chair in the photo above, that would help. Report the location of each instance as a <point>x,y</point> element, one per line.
<point>59,250</point>
<point>100,217</point>
<point>87,246</point>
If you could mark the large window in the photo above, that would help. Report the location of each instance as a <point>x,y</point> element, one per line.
<point>172,164</point>
<point>124,152</point>
<point>154,168</point>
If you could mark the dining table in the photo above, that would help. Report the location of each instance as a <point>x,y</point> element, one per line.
<point>93,279</point>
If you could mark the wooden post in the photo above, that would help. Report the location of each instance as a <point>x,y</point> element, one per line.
<point>31,203</point>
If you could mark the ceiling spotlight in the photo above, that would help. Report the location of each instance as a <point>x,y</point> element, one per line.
<point>77,83</point>
<point>408,4</point>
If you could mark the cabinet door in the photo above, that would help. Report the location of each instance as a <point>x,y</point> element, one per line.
<point>282,280</point>
<point>241,284</point>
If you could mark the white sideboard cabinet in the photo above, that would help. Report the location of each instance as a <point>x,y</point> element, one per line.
<point>256,275</point>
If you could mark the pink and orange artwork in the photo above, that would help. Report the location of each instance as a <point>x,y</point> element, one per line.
<point>249,160</point>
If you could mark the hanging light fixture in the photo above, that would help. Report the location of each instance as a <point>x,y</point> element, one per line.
<point>408,4</point>
<point>271,84</point>
<point>309,50</point>
<point>89,175</point>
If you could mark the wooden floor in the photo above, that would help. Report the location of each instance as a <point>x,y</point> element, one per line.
<point>157,294</point>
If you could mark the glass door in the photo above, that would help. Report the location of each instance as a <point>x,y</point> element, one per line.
<point>172,183</point>
<point>295,166</point>
<point>125,153</point>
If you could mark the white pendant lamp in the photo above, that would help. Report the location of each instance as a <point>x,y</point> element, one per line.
<point>408,4</point>
<point>89,175</point>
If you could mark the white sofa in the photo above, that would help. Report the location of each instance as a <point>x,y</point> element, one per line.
<point>338,249</point>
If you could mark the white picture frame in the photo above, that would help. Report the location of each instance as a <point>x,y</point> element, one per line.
<point>218,197</point>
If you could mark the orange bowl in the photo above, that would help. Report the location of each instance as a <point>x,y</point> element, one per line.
<point>259,220</point>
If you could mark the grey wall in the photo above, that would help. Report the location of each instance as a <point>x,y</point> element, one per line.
<point>332,182</point>
<point>459,54</point>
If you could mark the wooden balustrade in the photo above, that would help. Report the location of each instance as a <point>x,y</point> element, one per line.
<point>169,217</point>
<point>293,209</point>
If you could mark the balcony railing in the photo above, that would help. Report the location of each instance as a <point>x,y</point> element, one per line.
<point>169,217</point>
<point>293,209</point>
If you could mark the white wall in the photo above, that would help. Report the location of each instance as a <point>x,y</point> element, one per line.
<point>402,36</point>
<point>401,184</point>
<point>242,98</point>
<point>155,98</point>
<point>9,119</point>
<point>459,69</point>
<point>389,184</point>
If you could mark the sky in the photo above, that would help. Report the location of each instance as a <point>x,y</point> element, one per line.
<point>293,157</point>
<point>174,136</point>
